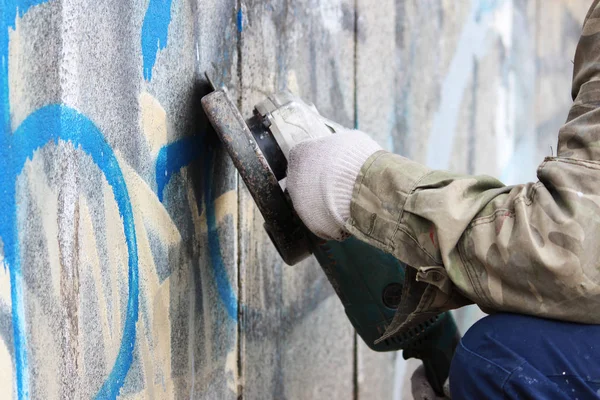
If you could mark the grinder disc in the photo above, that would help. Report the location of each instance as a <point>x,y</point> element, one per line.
<point>286,230</point>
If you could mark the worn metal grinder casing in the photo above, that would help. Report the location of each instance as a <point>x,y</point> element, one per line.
<point>368,281</point>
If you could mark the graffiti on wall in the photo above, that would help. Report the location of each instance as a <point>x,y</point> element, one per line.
<point>54,124</point>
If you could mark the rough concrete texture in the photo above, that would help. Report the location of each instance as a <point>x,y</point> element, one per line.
<point>135,264</point>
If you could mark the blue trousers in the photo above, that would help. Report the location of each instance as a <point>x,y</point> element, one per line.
<point>511,356</point>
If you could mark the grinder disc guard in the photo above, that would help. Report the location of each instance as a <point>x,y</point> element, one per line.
<point>286,230</point>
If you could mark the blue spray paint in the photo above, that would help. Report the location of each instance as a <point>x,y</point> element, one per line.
<point>486,7</point>
<point>51,124</point>
<point>240,20</point>
<point>155,31</point>
<point>171,158</point>
<point>9,9</point>
<point>224,288</point>
<point>55,123</point>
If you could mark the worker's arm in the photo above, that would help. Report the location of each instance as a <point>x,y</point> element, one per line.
<point>532,248</point>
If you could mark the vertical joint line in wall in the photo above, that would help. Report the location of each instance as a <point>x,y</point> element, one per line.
<point>471,136</point>
<point>240,22</point>
<point>355,104</point>
<point>536,72</point>
<point>240,322</point>
<point>355,99</point>
<point>355,367</point>
<point>240,316</point>
<point>240,297</point>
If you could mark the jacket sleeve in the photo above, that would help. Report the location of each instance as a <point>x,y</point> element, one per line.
<point>532,248</point>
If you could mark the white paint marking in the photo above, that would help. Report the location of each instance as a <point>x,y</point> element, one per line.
<point>471,44</point>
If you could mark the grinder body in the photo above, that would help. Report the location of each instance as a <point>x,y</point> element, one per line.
<point>368,281</point>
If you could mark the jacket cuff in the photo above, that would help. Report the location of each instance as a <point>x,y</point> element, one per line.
<point>375,211</point>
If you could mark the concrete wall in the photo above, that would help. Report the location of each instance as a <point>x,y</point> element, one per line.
<point>133,260</point>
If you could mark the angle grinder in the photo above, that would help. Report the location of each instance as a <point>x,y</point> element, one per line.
<point>368,281</point>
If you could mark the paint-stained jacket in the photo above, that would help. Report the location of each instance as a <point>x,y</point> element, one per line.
<point>532,248</point>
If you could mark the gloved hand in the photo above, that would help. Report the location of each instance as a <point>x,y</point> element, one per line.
<point>320,179</point>
<point>422,390</point>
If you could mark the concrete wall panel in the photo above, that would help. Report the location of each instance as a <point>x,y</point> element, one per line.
<point>296,340</point>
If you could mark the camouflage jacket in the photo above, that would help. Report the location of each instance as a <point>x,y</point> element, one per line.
<point>532,248</point>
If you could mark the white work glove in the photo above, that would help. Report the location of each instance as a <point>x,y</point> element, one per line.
<point>320,179</point>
